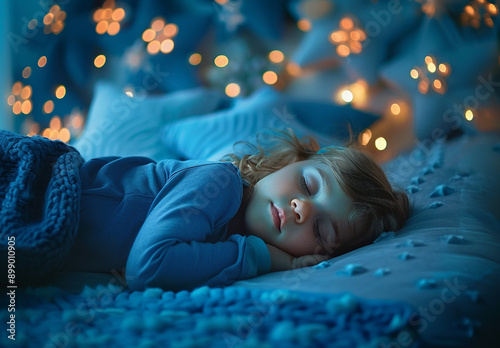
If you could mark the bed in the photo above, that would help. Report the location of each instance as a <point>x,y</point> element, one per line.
<point>433,283</point>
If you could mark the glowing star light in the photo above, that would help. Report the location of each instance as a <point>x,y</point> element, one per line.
<point>159,36</point>
<point>477,10</point>
<point>108,18</point>
<point>433,75</point>
<point>348,38</point>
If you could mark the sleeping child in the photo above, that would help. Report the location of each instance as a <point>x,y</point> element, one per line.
<point>182,224</point>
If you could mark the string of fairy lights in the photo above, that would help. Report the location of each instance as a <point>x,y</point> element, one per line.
<point>346,37</point>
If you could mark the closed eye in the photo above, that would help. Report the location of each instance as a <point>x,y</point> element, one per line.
<point>304,186</point>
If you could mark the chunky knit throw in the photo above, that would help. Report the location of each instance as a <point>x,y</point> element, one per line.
<point>39,205</point>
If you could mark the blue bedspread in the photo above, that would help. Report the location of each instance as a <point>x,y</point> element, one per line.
<point>39,205</point>
<point>110,316</point>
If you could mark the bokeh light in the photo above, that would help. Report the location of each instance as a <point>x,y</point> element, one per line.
<point>195,59</point>
<point>348,38</point>
<point>160,36</point>
<point>270,77</point>
<point>233,90</point>
<point>99,61</point>
<point>221,61</point>
<point>54,20</point>
<point>108,18</point>
<point>20,98</point>
<point>380,143</point>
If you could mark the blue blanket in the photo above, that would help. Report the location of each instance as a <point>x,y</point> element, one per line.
<point>109,315</point>
<point>39,205</point>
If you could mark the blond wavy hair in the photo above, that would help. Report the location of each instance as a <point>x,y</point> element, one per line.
<point>376,207</point>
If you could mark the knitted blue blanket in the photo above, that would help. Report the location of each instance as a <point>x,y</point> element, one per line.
<point>39,205</point>
<point>110,315</point>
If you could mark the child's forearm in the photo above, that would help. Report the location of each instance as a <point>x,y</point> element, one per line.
<point>280,260</point>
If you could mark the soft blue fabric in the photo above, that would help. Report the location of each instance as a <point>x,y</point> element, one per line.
<point>165,222</point>
<point>39,204</point>
<point>110,316</point>
<point>212,136</point>
<point>119,125</point>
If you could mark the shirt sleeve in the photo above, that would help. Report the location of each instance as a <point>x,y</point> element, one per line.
<point>179,245</point>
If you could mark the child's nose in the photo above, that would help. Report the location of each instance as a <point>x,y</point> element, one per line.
<point>301,210</point>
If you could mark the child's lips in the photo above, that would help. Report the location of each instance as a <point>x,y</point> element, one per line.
<point>278,217</point>
<point>275,215</point>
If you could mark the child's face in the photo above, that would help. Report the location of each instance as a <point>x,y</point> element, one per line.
<point>300,209</point>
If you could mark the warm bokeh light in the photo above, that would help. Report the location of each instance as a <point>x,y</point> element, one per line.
<point>347,96</point>
<point>26,92</point>
<point>54,20</point>
<point>221,61</point>
<point>346,23</point>
<point>348,38</point>
<point>233,90</point>
<point>64,135</point>
<point>170,30</point>
<point>195,59</point>
<point>48,107</point>
<point>99,61</point>
<point>395,108</point>
<point>26,72</point>
<point>414,74</point>
<point>17,107</point>
<point>20,99</point>
<point>167,46</point>
<point>304,24</point>
<point>270,77</point>
<point>108,18</point>
<point>469,115</point>
<point>154,47</point>
<point>431,76</point>
<point>148,35</point>
<point>160,36</point>
<point>355,93</point>
<point>11,99</point>
<point>60,92</point>
<point>479,11</point>
<point>276,56</point>
<point>26,107</point>
<point>380,143</point>
<point>55,123</point>
<point>16,88</point>
<point>364,138</point>
<point>343,50</point>
<point>42,61</point>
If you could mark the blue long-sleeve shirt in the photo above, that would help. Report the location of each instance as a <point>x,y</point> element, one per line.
<point>166,223</point>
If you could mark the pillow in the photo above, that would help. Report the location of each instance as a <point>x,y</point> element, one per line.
<point>212,136</point>
<point>119,125</point>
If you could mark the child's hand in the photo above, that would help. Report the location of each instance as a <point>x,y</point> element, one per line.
<point>282,261</point>
<point>308,260</point>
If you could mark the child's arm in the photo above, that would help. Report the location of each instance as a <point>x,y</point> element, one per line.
<point>283,261</point>
<point>178,246</point>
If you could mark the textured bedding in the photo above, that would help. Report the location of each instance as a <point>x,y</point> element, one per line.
<point>434,283</point>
